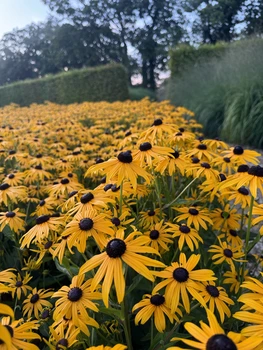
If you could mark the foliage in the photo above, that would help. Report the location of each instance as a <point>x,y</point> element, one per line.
<point>138,93</point>
<point>183,56</point>
<point>107,83</point>
<point>223,91</point>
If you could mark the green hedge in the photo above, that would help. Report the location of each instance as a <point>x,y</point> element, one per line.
<point>104,83</point>
<point>184,56</point>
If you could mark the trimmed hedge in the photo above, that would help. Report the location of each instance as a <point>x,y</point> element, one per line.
<point>184,56</point>
<point>104,83</point>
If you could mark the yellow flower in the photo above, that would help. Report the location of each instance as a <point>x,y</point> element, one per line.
<point>180,279</point>
<point>212,336</point>
<point>194,215</point>
<point>36,301</point>
<point>154,306</point>
<point>120,251</point>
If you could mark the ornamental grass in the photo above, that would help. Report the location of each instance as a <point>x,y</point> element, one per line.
<point>123,228</point>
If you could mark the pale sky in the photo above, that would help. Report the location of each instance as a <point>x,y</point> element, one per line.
<point>19,13</point>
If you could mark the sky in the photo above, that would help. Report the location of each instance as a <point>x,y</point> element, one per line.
<point>19,13</point>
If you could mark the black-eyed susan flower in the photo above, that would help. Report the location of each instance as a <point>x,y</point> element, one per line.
<point>88,224</point>
<point>5,336</point>
<point>186,235</point>
<point>181,279</point>
<point>241,155</point>
<point>102,347</point>
<point>159,236</point>
<point>173,162</point>
<point>157,130</point>
<point>44,225</point>
<point>234,279</point>
<point>61,338</point>
<point>36,174</point>
<point>226,165</point>
<point>232,237</point>
<point>256,288</point>
<point>120,251</point>
<point>124,167</point>
<point>91,200</point>
<point>225,218</point>
<point>13,219</point>
<point>150,217</point>
<point>14,179</point>
<point>213,337</point>
<point>36,301</point>
<point>240,196</point>
<point>202,152</point>
<point>226,253</point>
<point>216,298</point>
<point>194,216</point>
<point>148,152</point>
<point>154,305</point>
<point>65,186</point>
<point>20,285</point>
<point>13,194</point>
<point>74,301</point>
<point>21,333</point>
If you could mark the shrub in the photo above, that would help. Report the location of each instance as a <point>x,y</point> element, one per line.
<point>106,83</point>
<point>138,93</point>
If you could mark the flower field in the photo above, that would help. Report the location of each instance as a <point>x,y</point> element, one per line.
<point>122,228</point>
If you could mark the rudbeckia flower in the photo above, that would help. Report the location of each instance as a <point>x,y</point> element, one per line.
<point>124,167</point>
<point>226,253</point>
<point>186,235</point>
<point>217,298</point>
<point>12,193</point>
<point>74,301</point>
<point>258,210</point>
<point>20,285</point>
<point>36,301</point>
<point>173,162</point>
<point>148,152</point>
<point>181,279</point>
<point>225,219</point>
<point>62,338</point>
<point>44,224</point>
<point>150,217</point>
<point>88,224</point>
<point>194,215</point>
<point>212,336</point>
<point>159,237</point>
<point>102,347</point>
<point>13,219</point>
<point>234,278</point>
<point>154,306</point>
<point>21,332</point>
<point>5,336</point>
<point>241,155</point>
<point>202,152</point>
<point>120,251</point>
<point>157,130</point>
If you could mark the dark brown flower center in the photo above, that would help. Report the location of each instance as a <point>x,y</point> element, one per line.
<point>184,229</point>
<point>220,342</point>
<point>195,160</point>
<point>41,219</point>
<point>228,253</point>
<point>4,186</point>
<point>10,214</point>
<point>19,284</point>
<point>62,344</point>
<point>157,300</point>
<point>205,165</point>
<point>193,211</point>
<point>222,177</point>
<point>151,213</point>
<point>86,224</point>
<point>45,314</point>
<point>48,244</point>
<point>157,122</point>
<point>154,234</point>
<point>256,171</point>
<point>116,221</point>
<point>64,181</point>
<point>72,193</point>
<point>75,294</point>
<point>238,150</point>
<point>107,187</point>
<point>202,146</point>
<point>213,291</point>
<point>146,146</point>
<point>42,202</point>
<point>233,233</point>
<point>11,176</point>
<point>116,248</point>
<point>243,190</point>
<point>243,168</point>
<point>227,160</point>
<point>115,188</point>
<point>175,154</point>
<point>125,157</point>
<point>34,298</point>
<point>87,197</point>
<point>180,274</point>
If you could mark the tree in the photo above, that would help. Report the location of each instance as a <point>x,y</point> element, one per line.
<point>216,20</point>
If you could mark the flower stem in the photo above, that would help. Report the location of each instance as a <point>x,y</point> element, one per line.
<point>126,324</point>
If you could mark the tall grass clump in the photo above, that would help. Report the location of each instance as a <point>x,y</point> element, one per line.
<point>225,92</point>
